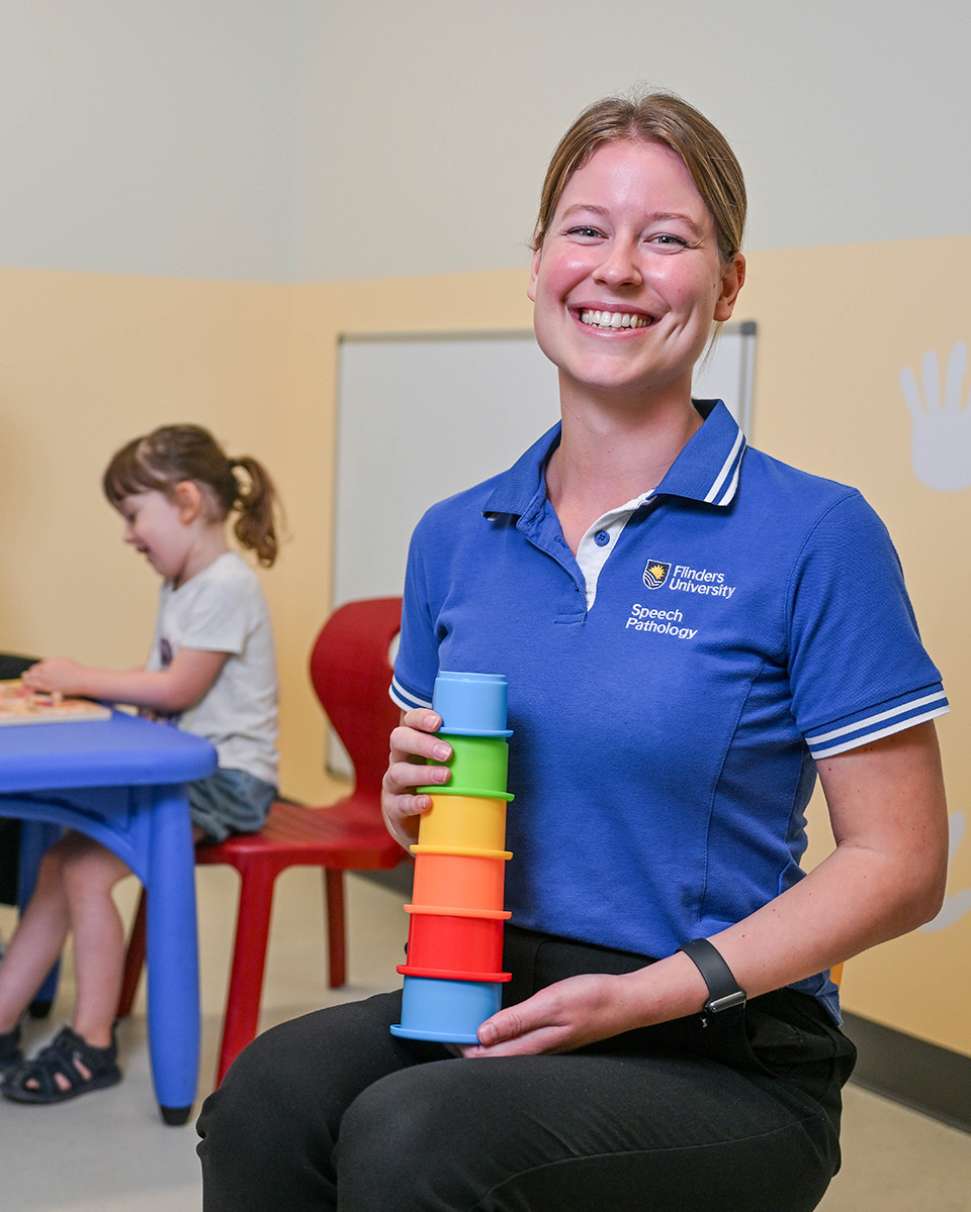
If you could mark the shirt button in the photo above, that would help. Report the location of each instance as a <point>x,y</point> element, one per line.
<point>601,538</point>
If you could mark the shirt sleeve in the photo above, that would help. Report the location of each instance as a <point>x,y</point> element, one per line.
<point>857,668</point>
<point>416,665</point>
<point>217,620</point>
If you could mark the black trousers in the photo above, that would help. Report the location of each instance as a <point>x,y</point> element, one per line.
<point>330,1111</point>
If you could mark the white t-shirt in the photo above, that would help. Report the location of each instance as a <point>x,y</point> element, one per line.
<point>222,609</point>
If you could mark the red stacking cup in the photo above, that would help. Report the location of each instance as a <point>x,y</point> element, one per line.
<point>453,943</point>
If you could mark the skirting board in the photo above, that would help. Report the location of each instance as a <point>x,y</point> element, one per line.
<point>923,1076</point>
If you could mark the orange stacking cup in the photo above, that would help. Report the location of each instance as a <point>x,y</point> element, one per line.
<point>460,878</point>
<point>450,944</point>
<point>464,821</point>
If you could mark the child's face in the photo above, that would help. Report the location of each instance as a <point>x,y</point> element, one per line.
<point>154,527</point>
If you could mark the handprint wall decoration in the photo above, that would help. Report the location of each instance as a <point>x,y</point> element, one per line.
<point>941,423</point>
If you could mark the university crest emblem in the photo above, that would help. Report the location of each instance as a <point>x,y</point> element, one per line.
<point>655,573</point>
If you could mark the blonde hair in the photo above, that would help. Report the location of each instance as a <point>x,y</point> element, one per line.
<point>654,118</point>
<point>172,453</point>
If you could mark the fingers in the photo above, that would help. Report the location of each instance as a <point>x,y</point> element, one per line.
<point>932,381</point>
<point>908,385</point>
<point>517,1032</point>
<point>415,735</point>
<point>35,677</point>
<point>413,739</point>
<point>956,364</point>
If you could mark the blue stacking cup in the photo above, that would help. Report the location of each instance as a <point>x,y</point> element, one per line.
<point>472,704</point>
<point>448,1012</point>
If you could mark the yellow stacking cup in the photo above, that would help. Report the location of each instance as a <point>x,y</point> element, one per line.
<point>459,820</point>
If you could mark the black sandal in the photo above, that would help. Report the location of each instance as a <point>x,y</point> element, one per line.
<point>10,1055</point>
<point>61,1057</point>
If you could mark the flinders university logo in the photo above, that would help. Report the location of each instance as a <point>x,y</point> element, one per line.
<point>655,573</point>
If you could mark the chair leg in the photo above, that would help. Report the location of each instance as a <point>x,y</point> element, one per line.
<point>336,933</point>
<point>134,961</point>
<point>249,961</point>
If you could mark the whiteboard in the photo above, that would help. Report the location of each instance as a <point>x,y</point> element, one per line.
<point>421,417</point>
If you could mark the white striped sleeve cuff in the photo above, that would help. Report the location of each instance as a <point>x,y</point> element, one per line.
<point>404,698</point>
<point>872,726</point>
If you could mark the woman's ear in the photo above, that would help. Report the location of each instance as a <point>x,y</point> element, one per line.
<point>732,281</point>
<point>187,496</point>
<point>533,274</point>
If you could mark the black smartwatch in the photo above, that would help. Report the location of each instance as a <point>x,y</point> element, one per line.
<point>724,992</point>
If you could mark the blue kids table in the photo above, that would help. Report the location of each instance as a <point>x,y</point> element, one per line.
<point>120,781</point>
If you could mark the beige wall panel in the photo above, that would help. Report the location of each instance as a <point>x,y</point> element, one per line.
<point>87,362</point>
<point>836,327</point>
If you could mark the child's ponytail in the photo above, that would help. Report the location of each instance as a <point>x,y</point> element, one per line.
<point>257,503</point>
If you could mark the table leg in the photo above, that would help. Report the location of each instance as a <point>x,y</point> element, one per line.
<point>173,957</point>
<point>35,837</point>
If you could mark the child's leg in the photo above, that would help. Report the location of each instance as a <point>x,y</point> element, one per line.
<point>38,940</point>
<point>90,873</point>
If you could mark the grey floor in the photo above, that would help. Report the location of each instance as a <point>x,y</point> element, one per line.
<point>109,1152</point>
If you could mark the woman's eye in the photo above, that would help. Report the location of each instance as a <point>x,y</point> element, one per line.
<point>666,240</point>
<point>590,233</point>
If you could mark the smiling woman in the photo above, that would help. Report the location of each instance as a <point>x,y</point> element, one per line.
<point>670,1036</point>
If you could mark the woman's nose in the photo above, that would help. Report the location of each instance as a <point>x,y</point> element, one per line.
<point>619,267</point>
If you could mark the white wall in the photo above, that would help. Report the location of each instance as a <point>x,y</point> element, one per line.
<point>849,117</point>
<point>139,136</point>
<point>309,139</point>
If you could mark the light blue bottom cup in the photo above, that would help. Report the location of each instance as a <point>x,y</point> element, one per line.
<point>447,1012</point>
<point>471,703</point>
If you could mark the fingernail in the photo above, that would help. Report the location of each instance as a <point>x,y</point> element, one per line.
<point>441,774</point>
<point>442,751</point>
<point>423,801</point>
<point>432,720</point>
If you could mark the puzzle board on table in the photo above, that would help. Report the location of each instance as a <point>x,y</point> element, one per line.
<point>18,705</point>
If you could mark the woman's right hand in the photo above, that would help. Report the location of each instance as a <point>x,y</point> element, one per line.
<point>413,738</point>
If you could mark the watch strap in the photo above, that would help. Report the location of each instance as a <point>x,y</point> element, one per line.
<point>724,991</point>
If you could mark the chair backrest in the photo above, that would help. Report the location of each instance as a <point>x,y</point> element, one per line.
<point>351,672</point>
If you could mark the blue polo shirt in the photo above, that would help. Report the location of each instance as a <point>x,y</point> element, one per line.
<point>748,619</point>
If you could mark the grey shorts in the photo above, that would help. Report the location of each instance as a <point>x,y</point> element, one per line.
<point>229,801</point>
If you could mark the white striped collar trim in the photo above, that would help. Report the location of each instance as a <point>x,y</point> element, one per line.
<point>733,455</point>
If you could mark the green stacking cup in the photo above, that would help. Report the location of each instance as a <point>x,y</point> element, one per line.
<point>479,766</point>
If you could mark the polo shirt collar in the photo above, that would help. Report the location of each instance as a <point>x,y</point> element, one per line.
<point>707,469</point>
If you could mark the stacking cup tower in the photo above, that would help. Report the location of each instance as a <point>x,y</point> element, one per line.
<point>453,978</point>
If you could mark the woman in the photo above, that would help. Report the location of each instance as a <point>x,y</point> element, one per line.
<point>682,625</point>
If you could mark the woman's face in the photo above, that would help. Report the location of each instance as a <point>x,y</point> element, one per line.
<point>628,278</point>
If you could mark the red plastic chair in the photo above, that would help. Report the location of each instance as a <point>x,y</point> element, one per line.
<point>350,671</point>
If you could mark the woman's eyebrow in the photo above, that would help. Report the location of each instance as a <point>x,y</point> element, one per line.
<point>585,206</point>
<point>654,217</point>
<point>665,215</point>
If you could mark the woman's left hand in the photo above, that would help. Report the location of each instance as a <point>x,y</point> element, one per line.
<point>55,675</point>
<point>559,1018</point>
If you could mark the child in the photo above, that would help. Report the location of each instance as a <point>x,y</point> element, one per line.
<point>212,668</point>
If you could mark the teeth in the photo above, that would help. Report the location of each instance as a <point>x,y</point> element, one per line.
<point>613,319</point>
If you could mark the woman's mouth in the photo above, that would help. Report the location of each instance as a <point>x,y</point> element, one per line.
<point>614,320</point>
